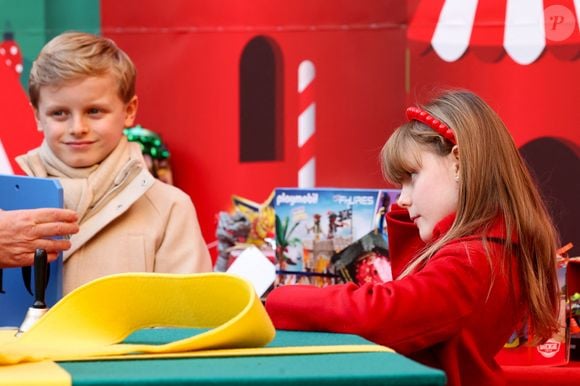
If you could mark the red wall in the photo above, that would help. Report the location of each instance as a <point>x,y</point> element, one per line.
<point>188,55</point>
<point>188,52</point>
<point>534,101</point>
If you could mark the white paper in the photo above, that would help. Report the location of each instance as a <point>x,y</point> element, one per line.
<point>255,267</point>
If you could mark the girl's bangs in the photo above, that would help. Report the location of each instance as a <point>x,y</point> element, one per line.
<point>399,156</point>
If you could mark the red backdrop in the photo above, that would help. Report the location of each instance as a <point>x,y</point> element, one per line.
<point>188,56</point>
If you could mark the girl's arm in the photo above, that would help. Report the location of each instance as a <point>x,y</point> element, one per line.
<point>407,315</point>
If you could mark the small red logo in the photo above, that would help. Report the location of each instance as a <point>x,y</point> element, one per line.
<point>549,349</point>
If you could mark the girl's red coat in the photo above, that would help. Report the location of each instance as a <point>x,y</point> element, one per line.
<point>454,314</point>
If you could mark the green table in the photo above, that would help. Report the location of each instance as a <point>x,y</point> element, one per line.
<point>377,368</point>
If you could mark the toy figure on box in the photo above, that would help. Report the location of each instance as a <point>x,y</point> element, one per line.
<point>471,245</point>
<point>285,240</point>
<point>382,212</point>
<point>262,226</point>
<point>316,228</point>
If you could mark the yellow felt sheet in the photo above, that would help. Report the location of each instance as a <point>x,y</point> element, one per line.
<point>92,320</point>
<point>46,373</point>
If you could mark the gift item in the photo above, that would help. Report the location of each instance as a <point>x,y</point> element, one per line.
<point>366,260</point>
<point>313,226</point>
<point>520,349</point>
<point>232,229</point>
<point>247,224</point>
<point>256,268</point>
<point>198,315</point>
<point>16,284</point>
<point>155,153</point>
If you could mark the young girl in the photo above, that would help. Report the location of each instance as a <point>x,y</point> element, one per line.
<point>471,243</point>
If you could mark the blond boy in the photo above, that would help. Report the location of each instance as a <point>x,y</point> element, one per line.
<point>82,89</point>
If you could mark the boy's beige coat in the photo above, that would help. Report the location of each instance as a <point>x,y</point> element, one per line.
<point>158,233</point>
<point>139,224</point>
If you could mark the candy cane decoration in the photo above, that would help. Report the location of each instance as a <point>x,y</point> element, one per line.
<point>306,125</point>
<point>10,53</point>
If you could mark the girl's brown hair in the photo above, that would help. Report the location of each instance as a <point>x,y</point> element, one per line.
<point>73,55</point>
<point>494,181</point>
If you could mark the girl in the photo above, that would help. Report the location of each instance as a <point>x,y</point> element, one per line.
<point>471,243</point>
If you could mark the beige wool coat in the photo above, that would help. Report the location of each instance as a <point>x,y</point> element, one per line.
<point>131,222</point>
<point>159,232</point>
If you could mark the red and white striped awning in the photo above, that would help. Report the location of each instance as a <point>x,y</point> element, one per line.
<point>521,28</point>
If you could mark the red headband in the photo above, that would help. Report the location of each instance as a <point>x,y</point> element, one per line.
<point>417,114</point>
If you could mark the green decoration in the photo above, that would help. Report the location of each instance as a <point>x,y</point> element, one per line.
<point>151,143</point>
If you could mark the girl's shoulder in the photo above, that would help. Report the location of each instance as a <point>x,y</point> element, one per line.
<point>478,249</point>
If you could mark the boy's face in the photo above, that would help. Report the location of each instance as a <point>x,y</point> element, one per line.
<point>83,120</point>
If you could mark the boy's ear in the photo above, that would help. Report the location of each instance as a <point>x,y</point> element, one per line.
<point>131,111</point>
<point>38,124</point>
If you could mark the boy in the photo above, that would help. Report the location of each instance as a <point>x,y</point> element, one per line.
<point>82,90</point>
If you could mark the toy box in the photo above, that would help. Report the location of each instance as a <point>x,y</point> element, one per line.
<point>519,351</point>
<point>313,227</point>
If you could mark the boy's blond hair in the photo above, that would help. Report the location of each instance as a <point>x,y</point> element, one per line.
<point>73,55</point>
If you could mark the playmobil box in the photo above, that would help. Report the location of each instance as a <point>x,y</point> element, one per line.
<point>326,236</point>
<point>520,351</point>
<point>16,284</point>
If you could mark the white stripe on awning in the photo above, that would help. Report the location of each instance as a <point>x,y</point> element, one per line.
<point>453,31</point>
<point>577,6</point>
<point>490,28</point>
<point>524,34</point>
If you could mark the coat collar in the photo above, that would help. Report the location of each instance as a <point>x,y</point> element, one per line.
<point>443,226</point>
<point>496,231</point>
<point>111,210</point>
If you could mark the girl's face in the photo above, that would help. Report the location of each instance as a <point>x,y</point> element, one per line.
<point>83,120</point>
<point>430,193</point>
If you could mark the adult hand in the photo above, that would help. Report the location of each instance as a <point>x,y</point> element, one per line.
<point>23,231</point>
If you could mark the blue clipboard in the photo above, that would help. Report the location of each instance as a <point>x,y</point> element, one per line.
<point>17,284</point>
